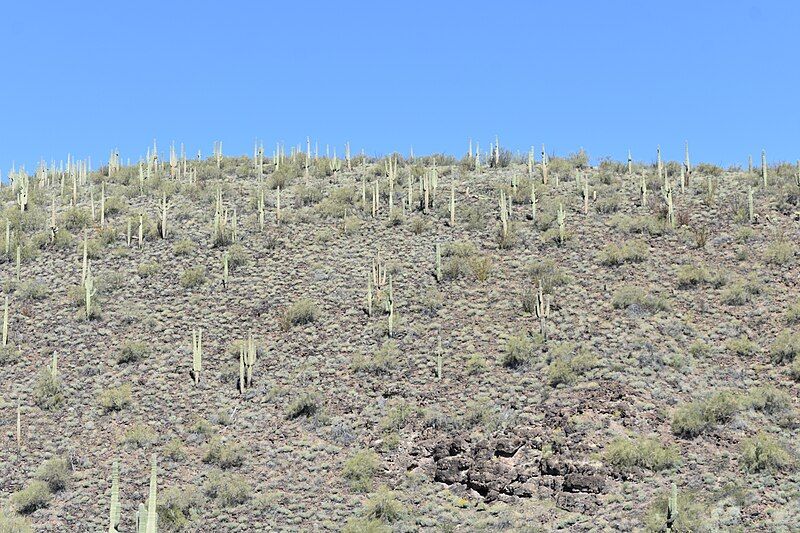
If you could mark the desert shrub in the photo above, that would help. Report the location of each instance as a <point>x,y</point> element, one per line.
<point>56,473</point>
<point>627,296</point>
<point>94,248</point>
<point>476,364</point>
<point>184,247</point>
<point>227,489</point>
<point>769,398</point>
<point>419,225</point>
<point>384,506</point>
<point>692,276</point>
<point>690,518</point>
<point>741,292</point>
<point>193,277</point>
<point>518,351</point>
<point>177,507</point>
<point>35,496</point>
<point>786,347</point>
<point>47,393</point>
<point>224,454</point>
<point>174,449</point>
<point>11,522</point>
<point>779,252</point>
<point>607,205</point>
<point>641,452</point>
<point>566,364</point>
<point>694,418</point>
<point>351,224</point>
<point>397,417</point>
<point>548,274</point>
<point>201,427</point>
<point>132,352</point>
<point>145,270</point>
<point>382,360</point>
<point>303,311</point>
<point>559,372</point>
<point>106,236</point>
<point>638,224</point>
<point>793,314</point>
<point>237,257</point>
<point>77,218</point>
<point>629,252</point>
<point>116,398</point>
<point>307,404</point>
<point>363,525</point>
<point>741,346</point>
<point>360,469</point>
<point>763,452</point>
<point>8,354</point>
<point>481,267</point>
<point>32,290</point>
<point>139,436</point>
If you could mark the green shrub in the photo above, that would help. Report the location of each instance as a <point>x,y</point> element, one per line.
<point>384,506</point>
<point>183,247</point>
<point>519,351</point>
<point>397,417</point>
<point>174,449</point>
<point>56,473</point>
<point>139,436</point>
<point>47,392</point>
<point>132,352</point>
<point>741,292</point>
<point>237,257</point>
<point>8,354</point>
<point>177,507</point>
<point>560,372</point>
<point>690,518</point>
<point>303,311</point>
<point>692,276</point>
<point>381,362</point>
<point>227,489</point>
<point>307,404</point>
<point>145,270</point>
<point>77,218</point>
<point>224,454</point>
<point>116,398</point>
<point>741,346</point>
<point>641,452</point>
<point>35,496</point>
<point>32,290</point>
<point>779,253</point>
<point>363,525</point>
<point>786,347</point>
<point>360,469</point>
<point>548,274</point>
<point>793,314</point>
<point>11,522</point>
<point>763,452</point>
<point>701,415</point>
<point>629,252</point>
<point>769,398</point>
<point>627,296</point>
<point>193,277</point>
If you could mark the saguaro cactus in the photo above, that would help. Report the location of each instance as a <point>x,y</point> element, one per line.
<point>764,167</point>
<point>5,323</point>
<point>672,507</point>
<point>561,219</point>
<point>542,309</point>
<point>197,354</point>
<point>113,515</point>
<point>146,523</point>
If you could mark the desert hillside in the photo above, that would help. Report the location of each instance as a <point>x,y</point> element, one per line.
<point>305,341</point>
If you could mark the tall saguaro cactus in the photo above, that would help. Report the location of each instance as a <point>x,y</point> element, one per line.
<point>113,515</point>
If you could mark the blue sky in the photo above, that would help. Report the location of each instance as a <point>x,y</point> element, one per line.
<point>86,77</point>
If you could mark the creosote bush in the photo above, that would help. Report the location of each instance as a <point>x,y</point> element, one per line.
<point>764,452</point>
<point>227,489</point>
<point>701,415</point>
<point>193,277</point>
<point>629,252</point>
<point>224,454</point>
<point>519,350</point>
<point>303,311</point>
<point>56,472</point>
<point>360,469</point>
<point>132,352</point>
<point>116,398</point>
<point>628,296</point>
<point>305,405</point>
<point>177,507</point>
<point>47,392</point>
<point>35,496</point>
<point>786,347</point>
<point>641,452</point>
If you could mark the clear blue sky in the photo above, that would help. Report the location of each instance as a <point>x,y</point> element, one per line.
<point>85,77</point>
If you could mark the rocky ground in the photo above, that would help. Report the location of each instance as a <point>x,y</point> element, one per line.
<point>672,353</point>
